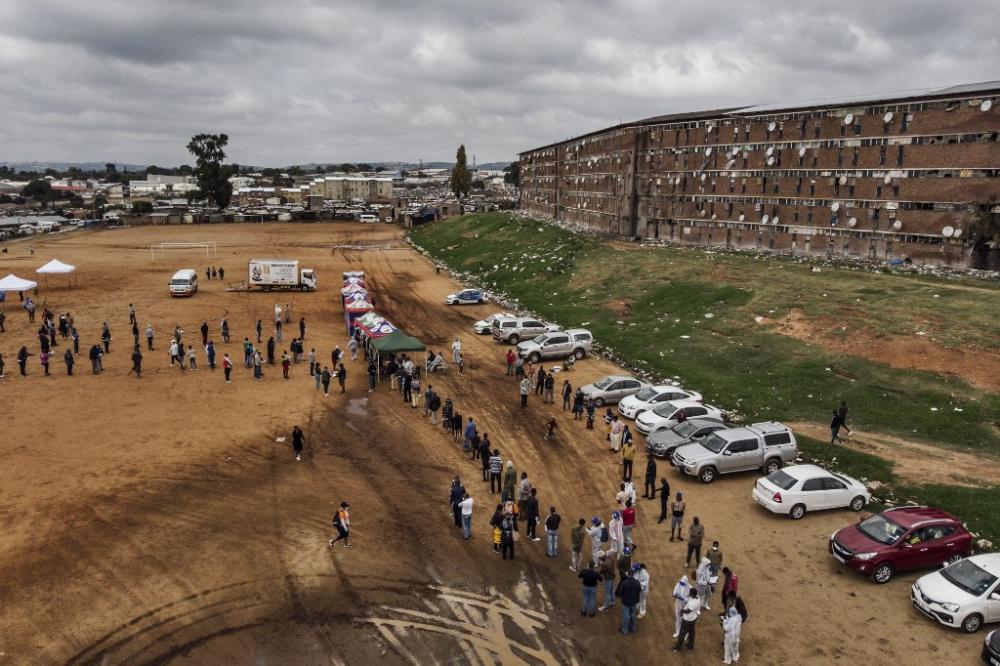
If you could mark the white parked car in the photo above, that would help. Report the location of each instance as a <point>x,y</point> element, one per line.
<point>797,489</point>
<point>485,326</point>
<point>464,297</point>
<point>650,396</point>
<point>667,414</point>
<point>963,594</point>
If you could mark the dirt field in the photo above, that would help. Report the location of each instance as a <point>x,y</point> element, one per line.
<point>159,520</point>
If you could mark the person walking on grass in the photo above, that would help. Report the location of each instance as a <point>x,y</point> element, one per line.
<point>325,377</point>
<point>696,534</point>
<point>342,523</point>
<point>590,578</point>
<point>689,616</point>
<point>842,413</point>
<point>677,517</point>
<point>298,442</point>
<point>227,366</point>
<point>629,591</point>
<point>525,389</point>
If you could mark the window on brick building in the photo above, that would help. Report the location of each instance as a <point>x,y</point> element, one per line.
<point>809,216</point>
<point>902,122</point>
<point>815,158</point>
<point>836,187</point>
<point>878,191</point>
<point>850,188</point>
<point>854,157</point>
<point>802,128</point>
<point>899,156</point>
<point>840,156</point>
<point>895,190</point>
<point>798,186</point>
<point>881,155</point>
<point>743,186</point>
<point>812,187</point>
<point>857,127</point>
<point>816,129</point>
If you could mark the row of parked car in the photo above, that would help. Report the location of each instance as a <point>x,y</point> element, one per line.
<point>698,441</point>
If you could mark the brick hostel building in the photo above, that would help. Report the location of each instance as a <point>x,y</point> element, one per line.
<point>887,177</point>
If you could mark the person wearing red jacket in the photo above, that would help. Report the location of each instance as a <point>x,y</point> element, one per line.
<point>628,522</point>
<point>510,361</point>
<point>227,366</point>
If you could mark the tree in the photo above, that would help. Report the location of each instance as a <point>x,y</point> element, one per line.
<point>110,167</point>
<point>38,189</point>
<point>512,174</point>
<point>153,170</point>
<point>461,179</point>
<point>478,184</point>
<point>211,175</point>
<point>142,207</point>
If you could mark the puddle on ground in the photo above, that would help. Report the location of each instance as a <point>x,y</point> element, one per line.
<point>358,406</point>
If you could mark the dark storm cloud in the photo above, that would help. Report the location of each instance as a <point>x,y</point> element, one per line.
<point>314,80</point>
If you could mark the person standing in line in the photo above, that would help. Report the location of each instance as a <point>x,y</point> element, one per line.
<point>664,499</point>
<point>43,358</point>
<point>313,370</point>
<point>136,362</point>
<point>286,363</point>
<point>696,534</point>
<point>135,333</point>
<point>628,522</point>
<point>181,356</point>
<point>3,318</point>
<point>352,346</point>
<point>106,338</point>
<point>608,570</point>
<point>224,330</point>
<point>510,358</point>
<point>456,351</point>
<point>222,272</point>
<point>649,481</point>
<point>208,273</point>
<point>247,353</point>
<point>29,307</point>
<point>524,492</point>
<point>192,359</point>
<point>485,453</point>
<point>149,337</point>
<point>509,482</point>
<point>682,592</point>
<point>730,584</point>
<point>68,359</point>
<point>318,377</point>
<point>22,360</point>
<point>455,496</point>
<point>616,535</point>
<point>531,511</point>
<point>540,382</point>
<point>342,523</point>
<point>550,385</point>
<point>465,505</point>
<point>578,400</point>
<point>210,354</point>
<point>628,458</point>
<point>552,532</point>
<point>270,351</point>
<point>341,376</point>
<point>204,333</point>
<point>732,625</point>
<point>495,466</point>
<point>597,533</point>
<point>689,616</point>
<point>703,583</point>
<point>677,517</point>
<point>590,578</point>
<point>842,413</point>
<point>641,574</point>
<point>278,331</point>
<point>227,366</point>
<point>258,365</point>
<point>576,544</point>
<point>507,535</point>
<point>76,339</point>
<point>470,433</point>
<point>260,330</point>
<point>325,377</point>
<point>629,591</point>
<point>298,441</point>
<point>434,406</point>
<point>461,365</point>
<point>302,328</point>
<point>617,427</point>
<point>525,389</point>
<point>567,394</point>
<point>714,556</point>
<point>100,358</point>
<point>336,356</point>
<point>131,315</point>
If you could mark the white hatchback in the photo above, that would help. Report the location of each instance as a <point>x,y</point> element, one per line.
<point>797,489</point>
<point>650,396</point>
<point>963,594</point>
<point>668,414</point>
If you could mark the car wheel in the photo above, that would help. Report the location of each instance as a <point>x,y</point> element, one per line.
<point>797,512</point>
<point>598,402</point>
<point>882,573</point>
<point>972,623</point>
<point>707,475</point>
<point>953,559</point>
<point>304,288</point>
<point>513,339</point>
<point>480,301</point>
<point>772,466</point>
<point>578,354</point>
<point>857,503</point>
<point>535,357</point>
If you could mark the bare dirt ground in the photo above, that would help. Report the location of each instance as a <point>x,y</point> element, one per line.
<point>978,367</point>
<point>159,520</point>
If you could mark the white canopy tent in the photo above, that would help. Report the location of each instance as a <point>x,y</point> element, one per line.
<point>14,283</point>
<point>56,267</point>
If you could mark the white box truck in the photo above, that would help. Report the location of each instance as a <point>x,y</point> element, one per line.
<point>268,274</point>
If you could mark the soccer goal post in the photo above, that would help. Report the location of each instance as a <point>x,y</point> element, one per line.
<point>208,246</point>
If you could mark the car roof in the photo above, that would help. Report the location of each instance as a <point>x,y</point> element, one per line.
<point>769,427</point>
<point>684,402</point>
<point>911,516</point>
<point>616,378</point>
<point>988,561</point>
<point>702,421</point>
<point>805,471</point>
<point>661,388</point>
<point>574,331</point>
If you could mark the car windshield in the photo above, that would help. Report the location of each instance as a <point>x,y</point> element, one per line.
<point>645,394</point>
<point>180,282</point>
<point>603,383</point>
<point>665,410</point>
<point>781,479</point>
<point>714,443</point>
<point>881,529</point>
<point>541,338</point>
<point>685,429</point>
<point>969,577</point>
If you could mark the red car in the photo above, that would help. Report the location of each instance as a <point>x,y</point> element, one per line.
<point>907,537</point>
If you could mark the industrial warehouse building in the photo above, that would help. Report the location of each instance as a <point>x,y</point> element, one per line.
<point>887,177</point>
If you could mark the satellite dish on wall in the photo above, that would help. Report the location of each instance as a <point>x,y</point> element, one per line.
<point>764,219</point>
<point>853,222</point>
<point>835,206</point>
<point>958,232</point>
<point>802,151</point>
<point>708,151</point>
<point>897,225</point>
<point>703,177</point>
<point>702,212</point>
<point>709,128</point>
<point>948,232</point>
<point>842,180</point>
<point>986,105</point>
<point>771,125</point>
<point>770,161</point>
<point>887,117</point>
<point>849,119</point>
<point>742,217</point>
<point>770,151</point>
<point>714,216</point>
<point>774,220</point>
<point>887,180</point>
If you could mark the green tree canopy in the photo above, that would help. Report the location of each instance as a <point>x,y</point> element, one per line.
<point>38,189</point>
<point>461,179</point>
<point>212,176</point>
<point>512,174</point>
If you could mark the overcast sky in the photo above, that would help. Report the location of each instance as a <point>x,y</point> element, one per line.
<point>297,81</point>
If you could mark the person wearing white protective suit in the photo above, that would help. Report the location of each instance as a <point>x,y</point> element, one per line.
<point>703,582</point>
<point>732,625</point>
<point>615,534</point>
<point>681,596</point>
<point>640,573</point>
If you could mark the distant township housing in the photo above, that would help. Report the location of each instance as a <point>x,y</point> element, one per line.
<point>881,177</point>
